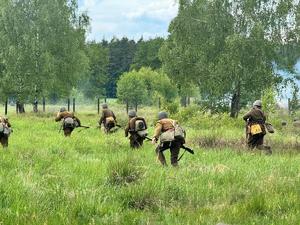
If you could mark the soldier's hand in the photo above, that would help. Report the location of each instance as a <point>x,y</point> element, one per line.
<point>154,141</point>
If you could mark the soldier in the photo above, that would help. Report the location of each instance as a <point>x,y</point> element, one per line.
<point>69,121</point>
<point>164,130</point>
<point>108,119</point>
<point>256,130</point>
<point>5,130</point>
<point>137,128</point>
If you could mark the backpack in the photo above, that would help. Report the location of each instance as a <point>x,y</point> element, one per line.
<point>4,129</point>
<point>140,128</point>
<point>69,122</point>
<point>179,132</point>
<point>110,121</point>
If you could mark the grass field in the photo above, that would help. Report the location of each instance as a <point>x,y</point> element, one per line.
<point>93,178</point>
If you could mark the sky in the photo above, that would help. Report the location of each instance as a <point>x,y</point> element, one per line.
<point>130,18</point>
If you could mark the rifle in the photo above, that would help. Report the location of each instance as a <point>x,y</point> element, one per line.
<point>87,127</point>
<point>186,149</point>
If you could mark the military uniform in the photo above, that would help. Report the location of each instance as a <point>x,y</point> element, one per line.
<point>256,117</point>
<point>136,141</point>
<point>61,116</point>
<point>162,126</point>
<point>3,135</point>
<point>108,119</point>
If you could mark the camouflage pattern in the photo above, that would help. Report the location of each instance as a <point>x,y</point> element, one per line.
<point>135,140</point>
<point>164,125</point>
<point>66,114</point>
<point>4,137</point>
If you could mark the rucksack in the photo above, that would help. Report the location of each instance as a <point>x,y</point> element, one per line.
<point>4,129</point>
<point>140,128</point>
<point>69,122</point>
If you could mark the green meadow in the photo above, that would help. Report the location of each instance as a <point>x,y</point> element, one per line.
<point>93,178</point>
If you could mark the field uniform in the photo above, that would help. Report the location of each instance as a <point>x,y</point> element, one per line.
<point>136,141</point>
<point>6,130</point>
<point>108,119</point>
<point>256,118</point>
<point>162,126</point>
<point>64,116</point>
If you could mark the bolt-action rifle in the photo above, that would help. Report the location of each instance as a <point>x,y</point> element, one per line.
<point>187,149</point>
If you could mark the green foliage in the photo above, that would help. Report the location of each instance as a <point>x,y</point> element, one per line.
<point>155,85</point>
<point>228,49</point>
<point>294,102</point>
<point>97,76</point>
<point>41,49</point>
<point>146,54</point>
<point>269,100</point>
<point>131,88</point>
<point>121,54</point>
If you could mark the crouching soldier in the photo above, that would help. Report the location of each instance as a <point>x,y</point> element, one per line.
<point>165,131</point>
<point>255,129</point>
<point>107,119</point>
<point>5,130</point>
<point>69,121</point>
<point>137,128</point>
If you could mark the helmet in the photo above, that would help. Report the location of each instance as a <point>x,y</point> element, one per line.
<point>162,115</point>
<point>62,109</point>
<point>104,106</point>
<point>132,113</point>
<point>257,103</point>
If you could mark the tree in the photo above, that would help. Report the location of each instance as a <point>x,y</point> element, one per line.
<point>97,75</point>
<point>121,53</point>
<point>41,49</point>
<point>229,48</point>
<point>131,89</point>
<point>146,54</point>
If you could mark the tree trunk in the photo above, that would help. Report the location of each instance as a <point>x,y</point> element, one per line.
<point>183,101</point>
<point>235,104</point>
<point>20,107</point>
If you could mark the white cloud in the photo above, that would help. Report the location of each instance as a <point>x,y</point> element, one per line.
<point>131,18</point>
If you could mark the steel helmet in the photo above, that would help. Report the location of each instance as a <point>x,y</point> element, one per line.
<point>162,115</point>
<point>257,103</point>
<point>62,109</point>
<point>132,113</point>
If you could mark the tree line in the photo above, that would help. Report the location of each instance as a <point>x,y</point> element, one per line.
<point>225,52</point>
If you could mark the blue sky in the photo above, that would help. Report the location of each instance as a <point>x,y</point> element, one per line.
<point>130,18</point>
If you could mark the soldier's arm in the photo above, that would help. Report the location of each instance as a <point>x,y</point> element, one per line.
<point>127,129</point>
<point>114,116</point>
<point>101,118</point>
<point>157,130</point>
<point>8,123</point>
<point>247,116</point>
<point>58,117</point>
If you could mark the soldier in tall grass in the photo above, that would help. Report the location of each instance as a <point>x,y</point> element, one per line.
<point>69,121</point>
<point>137,128</point>
<point>5,130</point>
<point>107,119</point>
<point>256,130</point>
<point>164,130</point>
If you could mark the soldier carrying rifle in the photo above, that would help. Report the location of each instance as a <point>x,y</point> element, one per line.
<point>69,121</point>
<point>171,136</point>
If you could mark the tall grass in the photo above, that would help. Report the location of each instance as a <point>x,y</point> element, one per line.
<point>93,178</point>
